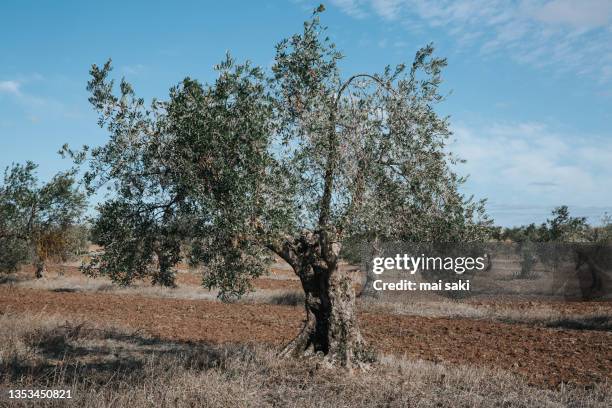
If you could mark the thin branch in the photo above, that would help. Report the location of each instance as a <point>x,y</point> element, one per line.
<point>333,141</point>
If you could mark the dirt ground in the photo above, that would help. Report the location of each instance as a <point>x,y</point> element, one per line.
<point>260,283</point>
<point>544,356</point>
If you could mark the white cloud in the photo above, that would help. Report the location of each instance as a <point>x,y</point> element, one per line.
<point>351,7</point>
<point>133,70</point>
<point>528,163</point>
<point>10,87</point>
<point>526,169</point>
<point>572,36</point>
<point>36,106</point>
<point>386,8</point>
<point>580,14</point>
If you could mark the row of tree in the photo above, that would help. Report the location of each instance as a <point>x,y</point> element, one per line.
<point>45,222</point>
<point>561,227</point>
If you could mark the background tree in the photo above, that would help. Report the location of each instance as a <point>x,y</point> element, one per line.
<point>572,239</point>
<point>603,233</point>
<point>554,242</point>
<point>36,222</point>
<point>288,163</point>
<point>565,228</point>
<point>562,227</point>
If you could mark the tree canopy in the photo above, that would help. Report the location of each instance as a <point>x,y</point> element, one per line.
<point>36,220</point>
<point>253,160</point>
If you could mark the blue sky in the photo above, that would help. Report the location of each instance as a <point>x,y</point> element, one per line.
<point>529,81</point>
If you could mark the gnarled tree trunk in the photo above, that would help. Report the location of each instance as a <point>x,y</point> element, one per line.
<point>330,326</point>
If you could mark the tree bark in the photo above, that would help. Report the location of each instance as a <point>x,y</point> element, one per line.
<point>599,282</point>
<point>367,290</point>
<point>164,275</point>
<point>41,269</point>
<point>330,327</point>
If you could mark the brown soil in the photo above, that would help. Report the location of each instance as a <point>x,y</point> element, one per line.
<point>544,356</point>
<point>194,279</point>
<point>274,284</point>
<point>562,306</point>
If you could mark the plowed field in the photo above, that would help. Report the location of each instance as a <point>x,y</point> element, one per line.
<point>544,356</point>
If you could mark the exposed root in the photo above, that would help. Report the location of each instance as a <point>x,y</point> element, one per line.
<point>352,355</point>
<point>301,345</point>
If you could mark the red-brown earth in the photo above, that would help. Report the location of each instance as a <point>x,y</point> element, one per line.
<point>545,356</point>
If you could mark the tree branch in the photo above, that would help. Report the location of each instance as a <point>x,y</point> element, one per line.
<point>332,153</point>
<point>286,250</point>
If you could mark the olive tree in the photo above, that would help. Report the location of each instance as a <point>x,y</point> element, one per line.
<point>288,162</point>
<point>36,222</point>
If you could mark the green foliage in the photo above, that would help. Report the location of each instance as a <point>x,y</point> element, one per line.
<point>132,241</point>
<point>77,239</point>
<point>603,234</point>
<point>546,242</point>
<point>565,228</point>
<point>561,228</point>
<point>521,234</point>
<point>13,252</point>
<point>254,160</point>
<point>36,222</point>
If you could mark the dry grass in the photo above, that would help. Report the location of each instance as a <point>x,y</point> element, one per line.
<point>81,283</point>
<point>56,282</point>
<point>275,297</point>
<point>110,366</point>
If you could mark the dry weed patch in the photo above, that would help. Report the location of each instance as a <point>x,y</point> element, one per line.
<point>113,366</point>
